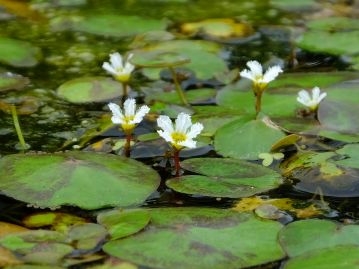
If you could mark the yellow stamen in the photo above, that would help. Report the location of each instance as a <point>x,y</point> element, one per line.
<point>178,138</point>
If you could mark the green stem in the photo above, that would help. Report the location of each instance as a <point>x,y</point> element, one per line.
<point>125,89</point>
<point>178,86</point>
<point>15,119</point>
<point>258,95</point>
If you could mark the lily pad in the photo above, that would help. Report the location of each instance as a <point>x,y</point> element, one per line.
<point>337,43</point>
<point>117,25</point>
<point>243,139</point>
<point>316,234</point>
<point>87,180</point>
<point>200,238</point>
<point>86,236</point>
<point>352,156</point>
<point>193,96</point>
<point>196,50</point>
<point>18,53</point>
<point>9,81</point>
<point>225,178</point>
<point>159,59</point>
<point>90,89</point>
<point>120,223</point>
<point>320,173</point>
<point>218,28</point>
<point>58,221</point>
<point>340,257</point>
<point>333,24</point>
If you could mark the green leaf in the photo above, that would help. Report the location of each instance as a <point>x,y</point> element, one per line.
<point>200,238</point>
<point>340,257</point>
<point>18,53</point>
<point>196,51</point>
<point>337,43</point>
<point>316,234</point>
<point>121,223</point>
<point>243,139</point>
<point>87,180</point>
<point>90,89</point>
<point>352,154</point>
<point>333,24</point>
<point>224,178</point>
<point>86,236</point>
<point>9,81</point>
<point>117,25</point>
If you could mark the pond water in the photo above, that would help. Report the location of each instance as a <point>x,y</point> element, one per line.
<point>229,207</point>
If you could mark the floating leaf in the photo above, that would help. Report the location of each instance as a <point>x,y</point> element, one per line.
<point>319,173</point>
<point>218,28</point>
<point>193,96</point>
<point>352,154</point>
<point>340,257</point>
<point>157,59</point>
<point>316,234</point>
<point>90,89</point>
<point>196,50</point>
<point>10,81</point>
<point>88,180</point>
<point>117,25</point>
<point>18,53</point>
<point>294,5</point>
<point>333,24</point>
<point>58,221</point>
<point>337,43</point>
<point>245,139</point>
<point>86,236</point>
<point>121,223</point>
<point>200,238</point>
<point>224,178</point>
<point>299,208</point>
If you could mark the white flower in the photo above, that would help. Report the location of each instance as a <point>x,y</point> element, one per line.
<point>182,133</point>
<point>131,117</point>
<point>119,69</point>
<point>311,101</point>
<point>259,79</point>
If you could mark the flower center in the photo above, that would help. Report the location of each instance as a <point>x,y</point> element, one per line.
<point>178,137</point>
<point>127,126</point>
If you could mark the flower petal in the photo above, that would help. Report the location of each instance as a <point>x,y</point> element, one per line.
<point>140,114</point>
<point>129,107</point>
<point>165,135</point>
<point>117,116</point>
<point>109,68</point>
<point>183,122</point>
<point>315,93</point>
<point>272,73</point>
<point>256,68</point>
<point>247,74</point>
<point>116,60</point>
<point>188,143</point>
<point>165,123</point>
<point>322,96</point>
<point>195,130</point>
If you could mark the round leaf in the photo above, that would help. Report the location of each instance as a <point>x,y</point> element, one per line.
<point>316,234</point>
<point>341,257</point>
<point>18,53</point>
<point>90,89</point>
<point>118,26</point>
<point>245,140</point>
<point>200,238</point>
<point>121,223</point>
<point>87,180</point>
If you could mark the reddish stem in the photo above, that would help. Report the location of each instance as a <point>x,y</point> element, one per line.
<point>128,145</point>
<point>177,162</point>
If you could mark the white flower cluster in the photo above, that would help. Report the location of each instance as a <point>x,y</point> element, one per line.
<point>260,82</point>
